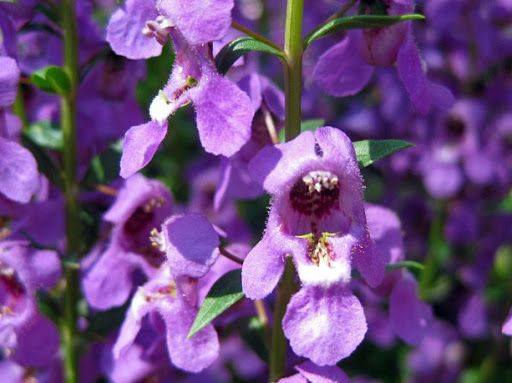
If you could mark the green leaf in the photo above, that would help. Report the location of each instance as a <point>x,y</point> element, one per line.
<point>52,79</point>
<point>357,22</point>
<point>410,265</point>
<point>223,294</point>
<point>45,135</point>
<point>252,334</point>
<point>104,168</point>
<point>369,151</point>
<point>304,126</point>
<point>239,47</point>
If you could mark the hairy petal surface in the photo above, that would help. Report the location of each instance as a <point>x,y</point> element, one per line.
<point>19,178</point>
<point>200,21</point>
<point>124,30</point>
<point>140,145</point>
<point>324,325</point>
<point>223,114</point>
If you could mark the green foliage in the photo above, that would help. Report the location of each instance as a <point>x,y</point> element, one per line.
<point>357,22</point>
<point>44,134</point>
<point>223,294</point>
<point>369,151</point>
<point>52,79</point>
<point>235,49</point>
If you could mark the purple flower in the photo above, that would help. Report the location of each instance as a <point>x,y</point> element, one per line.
<point>19,178</point>
<point>139,28</point>
<point>409,317</point>
<point>268,104</point>
<point>309,372</point>
<point>163,296</point>
<point>29,338</point>
<point>223,111</point>
<point>346,68</point>
<point>140,207</point>
<point>507,326</point>
<point>317,217</point>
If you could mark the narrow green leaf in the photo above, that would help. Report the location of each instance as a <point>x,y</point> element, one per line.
<point>45,135</point>
<point>369,151</point>
<point>410,265</point>
<point>104,168</point>
<point>239,47</point>
<point>52,79</point>
<point>223,294</point>
<point>357,22</point>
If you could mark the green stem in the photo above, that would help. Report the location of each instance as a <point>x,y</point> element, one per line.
<point>285,290</point>
<point>293,69</point>
<point>293,93</point>
<point>71,189</point>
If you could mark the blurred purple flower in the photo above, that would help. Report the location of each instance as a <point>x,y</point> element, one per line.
<point>140,207</point>
<point>29,338</point>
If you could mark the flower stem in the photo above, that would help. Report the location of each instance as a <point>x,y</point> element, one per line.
<point>71,189</point>
<point>293,94</point>
<point>293,67</point>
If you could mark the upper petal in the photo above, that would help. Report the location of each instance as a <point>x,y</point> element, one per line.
<point>9,76</point>
<point>124,30</point>
<point>200,21</point>
<point>19,178</point>
<point>140,145</point>
<point>412,75</point>
<point>324,325</point>
<point>223,114</point>
<point>409,316</point>
<point>342,70</point>
<point>191,244</point>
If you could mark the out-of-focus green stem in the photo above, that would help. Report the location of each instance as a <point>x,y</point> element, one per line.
<point>71,190</point>
<point>293,92</point>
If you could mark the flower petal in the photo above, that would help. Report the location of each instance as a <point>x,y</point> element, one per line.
<point>325,374</point>
<point>200,21</point>
<point>191,244</point>
<point>124,30</point>
<point>324,325</point>
<point>342,71</point>
<point>9,76</point>
<point>412,75</point>
<point>223,114</point>
<point>38,342</point>
<point>190,354</point>
<point>262,269</point>
<point>409,316</point>
<point>140,145</point>
<point>101,289</point>
<point>19,178</point>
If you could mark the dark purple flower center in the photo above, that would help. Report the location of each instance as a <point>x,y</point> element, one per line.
<point>138,231</point>
<point>455,129</point>
<point>12,290</point>
<point>315,194</point>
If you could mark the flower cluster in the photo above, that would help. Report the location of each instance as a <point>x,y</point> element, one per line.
<point>183,200</point>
